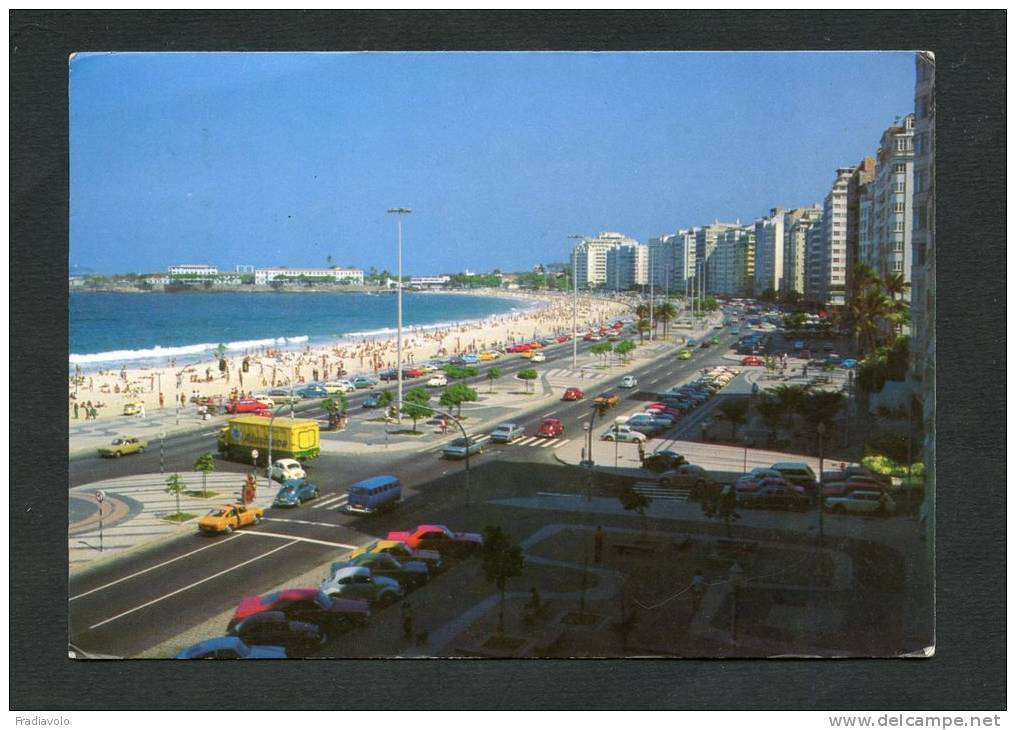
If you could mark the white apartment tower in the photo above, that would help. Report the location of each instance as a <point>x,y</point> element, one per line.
<point>769,252</point>
<point>832,287</point>
<point>705,245</point>
<point>591,258</point>
<point>672,259</point>
<point>733,267</point>
<point>891,216</point>
<point>796,225</point>
<point>627,267</point>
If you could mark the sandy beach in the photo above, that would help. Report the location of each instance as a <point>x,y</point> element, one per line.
<point>106,391</point>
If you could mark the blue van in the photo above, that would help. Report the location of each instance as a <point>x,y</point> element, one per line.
<point>374,494</point>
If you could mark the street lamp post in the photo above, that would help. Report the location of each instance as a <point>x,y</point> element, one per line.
<point>575,306</point>
<point>589,461</point>
<point>398,341</point>
<point>821,492</point>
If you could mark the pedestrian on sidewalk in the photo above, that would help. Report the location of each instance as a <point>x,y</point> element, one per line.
<point>75,411</point>
<point>598,545</point>
<point>642,453</point>
<point>162,401</point>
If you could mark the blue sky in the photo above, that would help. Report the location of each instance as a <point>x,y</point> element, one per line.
<point>285,159</point>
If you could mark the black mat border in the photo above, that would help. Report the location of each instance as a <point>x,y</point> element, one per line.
<point>969,669</point>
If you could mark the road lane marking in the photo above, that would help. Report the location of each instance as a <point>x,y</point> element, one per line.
<point>147,570</point>
<point>554,494</point>
<point>301,522</point>
<point>548,415</point>
<point>585,415</point>
<point>562,443</point>
<point>527,441</point>
<point>330,501</point>
<point>549,443</point>
<point>192,585</point>
<point>297,538</point>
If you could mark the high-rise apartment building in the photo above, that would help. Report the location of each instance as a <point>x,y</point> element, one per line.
<point>672,261</point>
<point>832,288</point>
<point>705,246</point>
<point>591,258</point>
<point>859,192</point>
<point>627,267</point>
<point>769,252</point>
<point>813,288</point>
<point>796,225</point>
<point>734,262</point>
<point>891,217</point>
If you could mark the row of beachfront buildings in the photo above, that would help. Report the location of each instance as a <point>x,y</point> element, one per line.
<point>199,274</point>
<point>868,216</point>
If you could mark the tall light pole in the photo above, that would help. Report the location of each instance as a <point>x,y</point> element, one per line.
<point>821,492</point>
<point>398,342</point>
<point>575,306</point>
<point>652,300</point>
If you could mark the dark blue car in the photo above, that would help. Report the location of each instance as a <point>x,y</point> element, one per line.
<point>230,647</point>
<point>295,492</point>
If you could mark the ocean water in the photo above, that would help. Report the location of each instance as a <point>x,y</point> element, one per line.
<point>109,328</point>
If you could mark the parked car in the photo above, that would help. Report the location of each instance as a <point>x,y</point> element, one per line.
<point>563,338</point>
<point>281,395</point>
<point>412,373</point>
<point>388,374</point>
<point>550,428</point>
<point>230,647</point>
<point>623,432</point>
<point>339,386</point>
<point>470,358</point>
<point>313,390</point>
<point>629,381</point>
<point>441,539</point>
<point>362,382</point>
<point>358,582</point>
<point>296,492</point>
<point>798,473</point>
<point>274,628</point>
<point>665,460</point>
<point>122,446</point>
<point>488,355</point>
<point>705,345</point>
<point>437,381</point>
<point>862,502</point>
<point>305,604</point>
<point>538,357</point>
<point>403,553</point>
<point>684,354</point>
<point>749,482</point>
<point>519,348</point>
<point>715,340</point>
<point>687,476</point>
<point>752,360</point>
<point>505,432</point>
<point>427,369</point>
<point>266,400</point>
<point>230,517</point>
<point>408,574</point>
<point>571,394</point>
<point>372,401</point>
<point>285,469</point>
<point>692,342</point>
<point>462,447</point>
<point>777,494</point>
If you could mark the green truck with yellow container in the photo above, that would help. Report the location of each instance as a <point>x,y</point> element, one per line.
<point>292,438</point>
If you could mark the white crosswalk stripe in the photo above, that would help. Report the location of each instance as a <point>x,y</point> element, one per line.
<point>656,492</point>
<point>527,441</point>
<point>332,501</point>
<point>548,443</point>
<point>562,443</point>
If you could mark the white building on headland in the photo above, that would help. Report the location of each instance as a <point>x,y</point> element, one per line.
<point>194,270</point>
<point>336,274</point>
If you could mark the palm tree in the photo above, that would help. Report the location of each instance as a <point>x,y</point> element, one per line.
<point>666,313</point>
<point>642,326</point>
<point>772,413</point>
<point>735,412</point>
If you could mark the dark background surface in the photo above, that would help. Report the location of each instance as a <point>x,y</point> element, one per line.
<point>968,670</point>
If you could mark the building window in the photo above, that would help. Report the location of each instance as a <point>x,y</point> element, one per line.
<point>899,207</point>
<point>900,167</point>
<point>901,186</point>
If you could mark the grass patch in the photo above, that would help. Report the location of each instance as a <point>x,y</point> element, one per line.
<point>202,493</point>
<point>178,517</point>
<point>406,432</point>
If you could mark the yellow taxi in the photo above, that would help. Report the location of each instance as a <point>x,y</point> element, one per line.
<point>230,517</point>
<point>487,356</point>
<point>528,354</point>
<point>426,369</point>
<point>133,408</point>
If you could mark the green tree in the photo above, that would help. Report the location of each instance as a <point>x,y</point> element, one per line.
<point>457,394</point>
<point>642,326</point>
<point>624,348</point>
<point>493,374</point>
<point>415,405</point>
<point>385,398</point>
<point>665,313</point>
<point>772,413</point>
<point>501,559</point>
<point>791,398</point>
<point>205,463</point>
<point>335,407</point>
<point>633,501</point>
<point>735,412</point>
<point>722,505</point>
<point>527,375</point>
<point>174,486</point>
<point>821,406</point>
<point>602,349</point>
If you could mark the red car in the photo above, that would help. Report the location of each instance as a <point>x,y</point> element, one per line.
<point>304,604</point>
<point>245,406</point>
<point>441,539</point>
<point>563,338</point>
<point>519,348</point>
<point>618,326</point>
<point>753,360</point>
<point>588,337</point>
<point>413,373</point>
<point>573,394</point>
<point>551,428</point>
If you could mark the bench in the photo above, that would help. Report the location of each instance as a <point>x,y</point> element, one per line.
<point>622,548</point>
